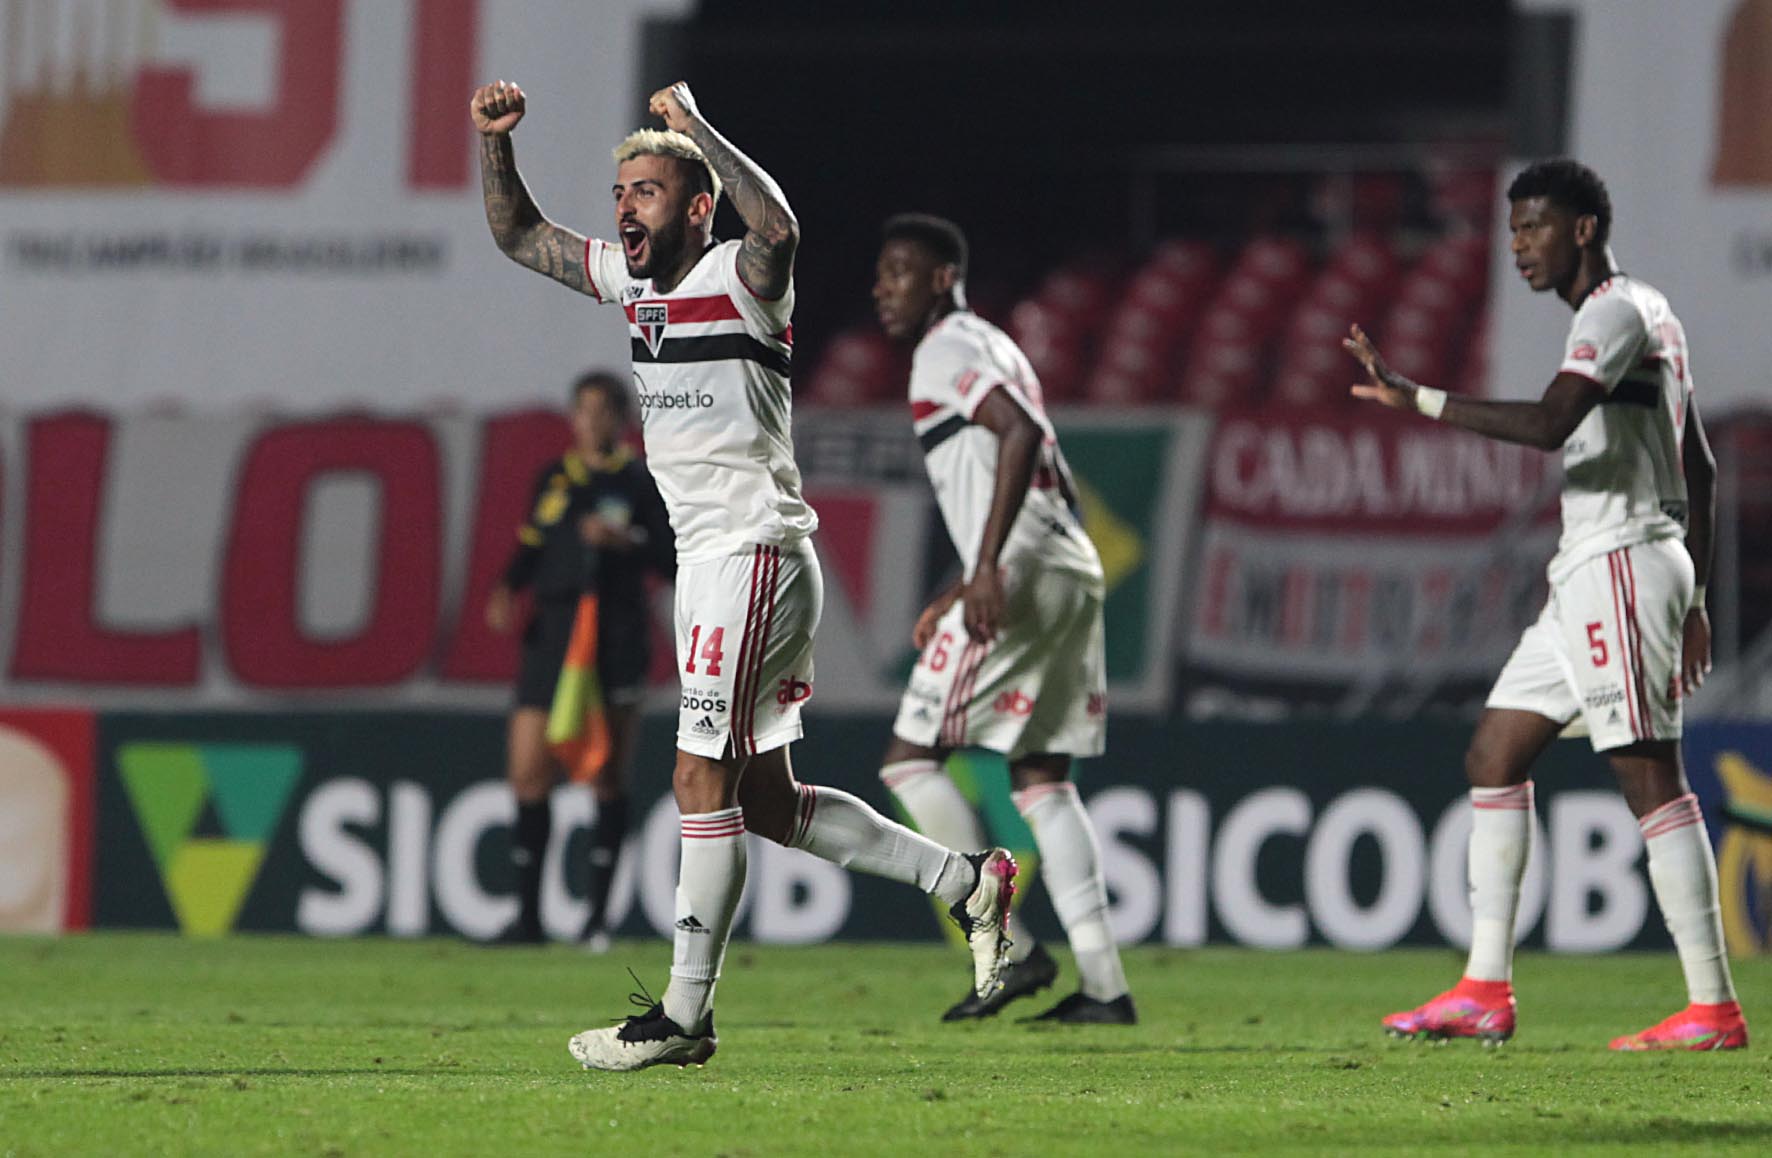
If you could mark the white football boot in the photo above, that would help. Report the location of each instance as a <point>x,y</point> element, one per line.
<point>645,1039</point>
<point>984,917</point>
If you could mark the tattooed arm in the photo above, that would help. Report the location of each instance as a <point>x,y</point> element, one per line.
<point>525,236</point>
<point>766,259</point>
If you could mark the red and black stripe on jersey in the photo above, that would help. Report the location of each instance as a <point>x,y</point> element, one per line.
<point>1051,471</point>
<point>713,348</point>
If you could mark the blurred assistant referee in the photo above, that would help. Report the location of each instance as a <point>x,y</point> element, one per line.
<point>596,525</point>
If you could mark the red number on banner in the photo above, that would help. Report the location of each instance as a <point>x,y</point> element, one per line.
<point>443,51</point>
<point>711,652</point>
<point>1597,645</point>
<point>938,655</point>
<point>184,142</point>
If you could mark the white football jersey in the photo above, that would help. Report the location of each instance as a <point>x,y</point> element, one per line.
<point>711,366</point>
<point>956,366</point>
<point>1623,479</point>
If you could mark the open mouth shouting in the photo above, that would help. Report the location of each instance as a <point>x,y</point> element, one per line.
<point>636,245</point>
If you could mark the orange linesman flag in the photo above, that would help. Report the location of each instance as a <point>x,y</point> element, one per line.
<point>578,734</point>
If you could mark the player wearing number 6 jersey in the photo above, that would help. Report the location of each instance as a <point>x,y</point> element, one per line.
<point>712,341</point>
<point>1012,654</point>
<point>1623,637</point>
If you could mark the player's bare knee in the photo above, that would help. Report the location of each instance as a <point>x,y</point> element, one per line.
<point>1649,775</point>
<point>1039,768</point>
<point>900,750</point>
<point>1488,765</point>
<point>702,784</point>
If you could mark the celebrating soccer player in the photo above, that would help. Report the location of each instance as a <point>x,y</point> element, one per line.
<point>712,344</point>
<point>1012,652</point>
<point>1624,637</point>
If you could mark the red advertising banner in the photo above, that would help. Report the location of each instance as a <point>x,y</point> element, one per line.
<point>1348,546</point>
<point>46,820</point>
<point>224,202</point>
<point>241,560</point>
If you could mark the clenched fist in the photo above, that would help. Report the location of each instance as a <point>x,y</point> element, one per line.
<point>675,106</point>
<point>497,107</point>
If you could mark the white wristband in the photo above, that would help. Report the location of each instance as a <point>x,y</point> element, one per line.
<point>1698,598</point>
<point>1430,401</point>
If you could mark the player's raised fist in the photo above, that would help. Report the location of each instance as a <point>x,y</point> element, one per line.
<point>675,106</point>
<point>497,107</point>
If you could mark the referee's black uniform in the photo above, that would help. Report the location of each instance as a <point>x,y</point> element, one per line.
<point>553,558</point>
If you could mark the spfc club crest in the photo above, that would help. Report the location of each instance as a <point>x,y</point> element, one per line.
<point>652,318</point>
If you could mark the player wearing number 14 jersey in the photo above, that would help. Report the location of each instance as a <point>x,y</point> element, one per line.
<point>712,341</point>
<point>1623,637</point>
<point>1012,654</point>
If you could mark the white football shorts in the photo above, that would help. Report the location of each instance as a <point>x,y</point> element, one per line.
<point>1040,686</point>
<point>745,624</point>
<point>1607,647</point>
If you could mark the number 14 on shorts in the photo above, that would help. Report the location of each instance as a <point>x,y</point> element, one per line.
<point>711,653</point>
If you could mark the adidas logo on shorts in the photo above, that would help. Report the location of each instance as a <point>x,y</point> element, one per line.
<point>705,727</point>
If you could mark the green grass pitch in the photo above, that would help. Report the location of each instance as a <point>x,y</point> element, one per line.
<point>144,1044</point>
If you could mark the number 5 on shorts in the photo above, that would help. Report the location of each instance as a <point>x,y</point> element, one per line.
<point>1596,644</point>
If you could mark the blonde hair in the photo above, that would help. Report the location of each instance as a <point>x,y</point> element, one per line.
<point>668,143</point>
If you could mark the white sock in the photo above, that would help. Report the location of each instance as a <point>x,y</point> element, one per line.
<point>845,830</point>
<point>942,814</point>
<point>1684,874</point>
<point>1501,838</point>
<point>1070,864</point>
<point>709,884</point>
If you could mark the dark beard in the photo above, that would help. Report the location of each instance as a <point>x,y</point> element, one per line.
<point>664,249</point>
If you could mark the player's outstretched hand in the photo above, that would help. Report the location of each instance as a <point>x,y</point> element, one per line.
<point>497,107</point>
<point>1382,384</point>
<point>1694,654</point>
<point>675,106</point>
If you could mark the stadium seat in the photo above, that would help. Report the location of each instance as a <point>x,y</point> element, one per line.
<point>1185,260</point>
<point>1221,373</point>
<point>1082,295</point>
<point>1053,342</point>
<point>1460,261</point>
<point>859,367</point>
<point>1463,197</point>
<point>1423,361</point>
<point>1313,375</point>
<point>1282,262</point>
<point>1133,358</point>
<point>1366,258</point>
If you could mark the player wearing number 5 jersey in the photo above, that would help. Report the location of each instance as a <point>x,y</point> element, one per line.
<point>1012,655</point>
<point>1623,637</point>
<point>712,340</point>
